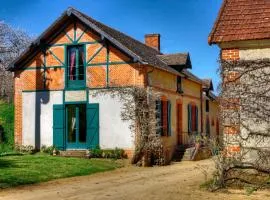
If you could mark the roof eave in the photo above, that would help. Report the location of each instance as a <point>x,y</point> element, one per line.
<point>210,37</point>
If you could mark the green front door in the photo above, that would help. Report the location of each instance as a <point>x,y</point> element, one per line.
<point>76,126</point>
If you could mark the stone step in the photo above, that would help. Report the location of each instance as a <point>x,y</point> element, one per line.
<point>73,153</point>
<point>179,153</point>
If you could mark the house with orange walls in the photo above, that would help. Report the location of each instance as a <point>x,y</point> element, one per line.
<point>56,77</point>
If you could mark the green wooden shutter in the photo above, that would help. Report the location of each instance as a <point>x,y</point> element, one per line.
<point>207,126</point>
<point>93,125</point>
<point>169,118</point>
<point>58,127</point>
<point>189,119</point>
<point>196,118</point>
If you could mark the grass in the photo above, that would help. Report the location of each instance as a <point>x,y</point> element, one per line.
<point>7,122</point>
<point>28,169</point>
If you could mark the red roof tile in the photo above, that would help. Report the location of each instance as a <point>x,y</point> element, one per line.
<point>241,20</point>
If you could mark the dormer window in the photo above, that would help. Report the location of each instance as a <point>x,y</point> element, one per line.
<point>179,84</point>
<point>75,66</point>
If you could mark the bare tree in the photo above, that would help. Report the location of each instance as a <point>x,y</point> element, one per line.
<point>12,43</point>
<point>245,119</point>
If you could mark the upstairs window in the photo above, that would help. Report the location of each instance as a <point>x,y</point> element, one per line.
<point>207,126</point>
<point>192,118</point>
<point>179,84</point>
<point>163,116</point>
<point>76,69</point>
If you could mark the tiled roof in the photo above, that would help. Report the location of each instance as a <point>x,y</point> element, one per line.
<point>136,49</point>
<point>191,76</point>
<point>207,84</point>
<point>132,47</point>
<point>241,20</point>
<point>146,53</point>
<point>174,59</point>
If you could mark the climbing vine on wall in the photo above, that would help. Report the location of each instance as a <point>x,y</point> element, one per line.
<point>245,119</point>
<point>139,108</point>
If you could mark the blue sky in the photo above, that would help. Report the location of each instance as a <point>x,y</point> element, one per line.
<point>184,25</point>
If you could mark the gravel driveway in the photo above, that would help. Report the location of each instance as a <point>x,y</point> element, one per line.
<point>177,181</point>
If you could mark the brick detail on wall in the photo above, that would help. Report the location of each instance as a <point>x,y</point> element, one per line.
<point>50,56</point>
<point>55,79</point>
<point>116,56</point>
<point>230,54</point>
<point>153,40</point>
<point>96,76</point>
<point>232,150</point>
<point>231,77</point>
<point>30,79</point>
<point>230,103</point>
<point>231,129</point>
<point>37,61</point>
<point>18,110</point>
<point>121,75</point>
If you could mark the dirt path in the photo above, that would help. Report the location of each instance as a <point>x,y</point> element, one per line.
<point>177,181</point>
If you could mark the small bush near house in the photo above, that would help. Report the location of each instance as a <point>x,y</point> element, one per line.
<point>96,152</point>
<point>116,153</point>
<point>28,149</point>
<point>48,150</point>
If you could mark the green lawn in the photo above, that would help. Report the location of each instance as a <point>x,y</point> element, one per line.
<point>28,169</point>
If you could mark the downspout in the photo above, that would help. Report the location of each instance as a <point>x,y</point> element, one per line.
<point>147,77</point>
<point>201,110</point>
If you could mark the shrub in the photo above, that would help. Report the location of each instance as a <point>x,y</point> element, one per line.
<point>48,150</point>
<point>96,152</point>
<point>25,149</point>
<point>116,153</point>
<point>5,148</point>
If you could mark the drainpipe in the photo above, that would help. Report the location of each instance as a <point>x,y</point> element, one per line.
<point>147,78</point>
<point>147,82</point>
<point>201,109</point>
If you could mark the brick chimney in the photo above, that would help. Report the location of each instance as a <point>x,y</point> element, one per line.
<point>153,40</point>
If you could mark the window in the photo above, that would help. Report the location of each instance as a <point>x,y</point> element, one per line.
<point>213,122</point>
<point>217,127</point>
<point>207,126</point>
<point>207,105</point>
<point>192,118</point>
<point>76,125</point>
<point>163,115</point>
<point>179,84</point>
<point>75,71</point>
